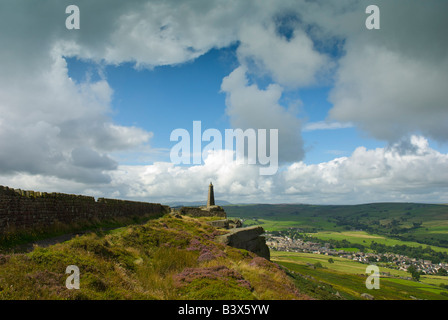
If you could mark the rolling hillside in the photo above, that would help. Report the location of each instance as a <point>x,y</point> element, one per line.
<point>421,223</point>
<point>167,258</point>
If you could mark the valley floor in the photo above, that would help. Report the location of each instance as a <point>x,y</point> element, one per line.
<point>347,278</point>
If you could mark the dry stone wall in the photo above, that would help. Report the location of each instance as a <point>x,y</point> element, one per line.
<point>29,210</point>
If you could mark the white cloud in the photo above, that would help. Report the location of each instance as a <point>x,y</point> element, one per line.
<point>53,126</point>
<point>250,107</point>
<point>382,174</point>
<point>47,119</point>
<point>390,95</point>
<point>291,62</point>
<point>391,83</point>
<point>156,33</point>
<point>326,125</point>
<point>166,33</point>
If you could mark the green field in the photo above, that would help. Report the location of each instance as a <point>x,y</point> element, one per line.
<point>275,225</point>
<point>361,237</point>
<point>412,224</point>
<point>348,278</point>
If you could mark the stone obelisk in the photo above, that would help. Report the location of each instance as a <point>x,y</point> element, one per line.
<point>211,196</point>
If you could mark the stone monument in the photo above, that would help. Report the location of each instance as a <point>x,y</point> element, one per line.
<point>210,210</point>
<point>211,196</point>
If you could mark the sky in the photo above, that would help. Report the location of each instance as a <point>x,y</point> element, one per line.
<point>361,114</point>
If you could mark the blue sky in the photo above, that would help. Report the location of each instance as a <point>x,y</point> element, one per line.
<point>169,97</point>
<point>166,97</point>
<point>362,114</point>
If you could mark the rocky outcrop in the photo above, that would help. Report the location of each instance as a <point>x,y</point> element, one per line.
<point>248,238</point>
<point>213,211</point>
<point>226,223</point>
<point>367,296</point>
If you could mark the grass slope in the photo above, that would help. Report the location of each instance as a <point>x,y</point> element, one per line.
<point>166,258</point>
<point>348,278</point>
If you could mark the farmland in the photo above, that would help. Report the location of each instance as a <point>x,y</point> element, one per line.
<point>411,224</point>
<point>348,278</point>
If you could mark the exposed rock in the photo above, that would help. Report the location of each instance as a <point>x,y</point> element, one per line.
<point>247,238</point>
<point>226,223</point>
<point>213,211</point>
<point>175,214</point>
<point>219,223</point>
<point>235,223</point>
<point>367,296</point>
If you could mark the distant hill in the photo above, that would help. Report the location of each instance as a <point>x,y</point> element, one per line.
<point>196,203</point>
<point>424,223</point>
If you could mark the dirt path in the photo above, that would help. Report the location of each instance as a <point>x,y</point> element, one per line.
<point>28,247</point>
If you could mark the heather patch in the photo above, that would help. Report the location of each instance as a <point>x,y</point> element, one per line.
<point>215,289</point>
<point>208,251</point>
<point>218,272</point>
<point>217,282</point>
<point>214,234</point>
<point>263,263</point>
<point>166,258</point>
<point>4,258</point>
<point>206,255</point>
<point>47,281</point>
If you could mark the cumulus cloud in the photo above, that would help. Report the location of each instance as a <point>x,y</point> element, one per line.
<point>251,107</point>
<point>367,175</point>
<point>390,95</point>
<point>53,126</point>
<point>88,158</point>
<point>326,125</point>
<point>156,33</point>
<point>291,62</point>
<point>390,83</point>
<point>382,174</point>
<point>166,33</point>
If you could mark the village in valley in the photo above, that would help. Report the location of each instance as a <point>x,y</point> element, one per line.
<point>394,261</point>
